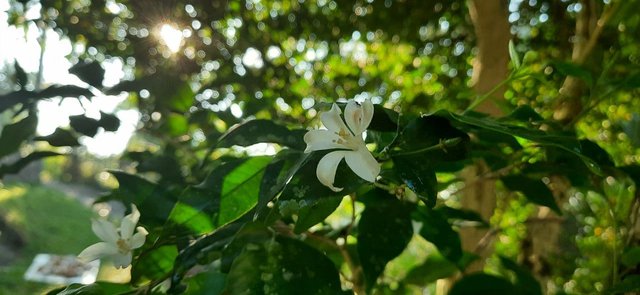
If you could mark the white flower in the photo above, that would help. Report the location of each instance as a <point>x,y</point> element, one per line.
<point>117,243</point>
<point>347,139</point>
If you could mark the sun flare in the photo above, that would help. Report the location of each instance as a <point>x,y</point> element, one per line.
<point>171,37</point>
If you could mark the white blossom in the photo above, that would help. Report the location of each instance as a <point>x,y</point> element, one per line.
<point>117,244</point>
<point>348,141</point>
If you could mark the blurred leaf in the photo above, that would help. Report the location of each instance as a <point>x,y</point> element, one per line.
<point>462,214</point>
<point>11,99</point>
<point>258,131</point>
<point>90,72</point>
<point>98,288</point>
<point>64,91</point>
<point>109,122</point>
<point>13,135</point>
<point>194,212</point>
<point>438,231</point>
<point>631,257</point>
<point>525,282</point>
<point>632,129</point>
<point>282,266</point>
<point>533,189</point>
<point>153,264</point>
<point>176,125</point>
<point>435,267</point>
<point>60,137</point>
<point>515,58</point>
<point>629,284</point>
<point>384,230</point>
<point>481,283</point>
<point>85,125</point>
<point>572,69</point>
<point>18,165</point>
<point>162,163</point>
<point>21,76</point>
<point>154,200</point>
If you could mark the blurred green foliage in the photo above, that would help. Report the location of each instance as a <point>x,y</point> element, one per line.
<point>249,72</point>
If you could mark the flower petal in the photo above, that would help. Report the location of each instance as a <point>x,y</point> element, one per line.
<point>332,119</point>
<point>322,140</point>
<point>122,260</point>
<point>105,230</point>
<point>363,164</point>
<point>129,223</point>
<point>137,240</point>
<point>97,251</point>
<point>326,170</point>
<point>358,116</point>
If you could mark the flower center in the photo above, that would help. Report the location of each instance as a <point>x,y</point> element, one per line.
<point>349,140</point>
<point>123,246</point>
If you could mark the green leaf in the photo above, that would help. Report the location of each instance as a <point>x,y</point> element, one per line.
<point>435,267</point>
<point>384,230</point>
<point>515,58</point>
<point>419,176</point>
<point>85,125</point>
<point>525,113</point>
<point>13,135</point>
<point>259,131</point>
<point>563,142</point>
<point>194,212</point>
<point>533,189</point>
<point>60,137</point>
<point>305,187</point>
<point>630,283</point>
<point>18,165</point>
<point>310,215</point>
<point>205,250</point>
<point>90,72</point>
<point>571,69</point>
<point>462,214</point>
<point>241,188</point>
<point>524,281</point>
<point>631,257</point>
<point>162,163</point>
<point>153,264</point>
<point>154,200</point>
<point>481,283</point>
<point>435,229</point>
<point>98,288</point>
<point>282,266</point>
<point>428,131</point>
<point>210,282</point>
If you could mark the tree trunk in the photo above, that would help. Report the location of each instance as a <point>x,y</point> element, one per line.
<point>490,68</point>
